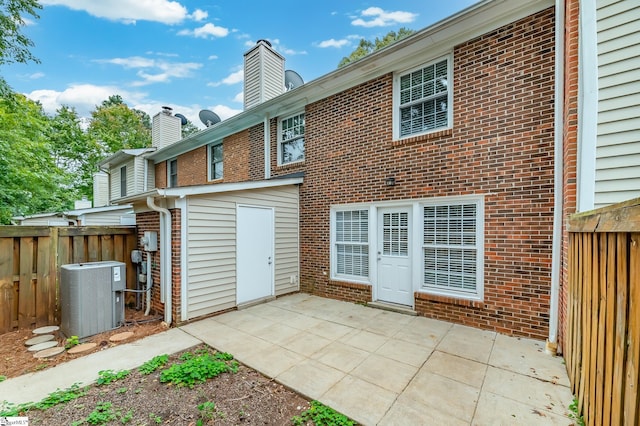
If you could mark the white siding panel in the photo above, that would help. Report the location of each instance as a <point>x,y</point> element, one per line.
<point>103,218</point>
<point>211,275</point>
<point>617,174</point>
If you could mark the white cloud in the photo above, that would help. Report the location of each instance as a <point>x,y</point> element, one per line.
<point>333,43</point>
<point>128,11</point>
<point>154,70</point>
<point>83,97</point>
<point>36,75</point>
<point>377,17</point>
<point>239,97</point>
<point>231,79</point>
<point>205,31</point>
<point>199,15</point>
<point>212,57</point>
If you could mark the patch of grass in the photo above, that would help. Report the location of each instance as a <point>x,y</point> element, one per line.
<point>198,368</point>
<point>3,378</point>
<point>321,415</point>
<point>153,364</point>
<point>109,376</point>
<point>53,399</point>
<point>575,414</point>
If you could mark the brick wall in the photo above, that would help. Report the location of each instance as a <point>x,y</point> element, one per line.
<point>501,145</point>
<point>570,143</point>
<point>192,167</point>
<point>150,221</point>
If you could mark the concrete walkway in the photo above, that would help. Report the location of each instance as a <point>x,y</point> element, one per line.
<point>375,366</point>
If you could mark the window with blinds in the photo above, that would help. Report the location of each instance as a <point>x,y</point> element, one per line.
<point>352,243</point>
<point>450,247</point>
<point>395,230</point>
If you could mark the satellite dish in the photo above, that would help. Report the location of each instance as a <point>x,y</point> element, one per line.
<point>183,119</point>
<point>292,80</point>
<point>208,118</point>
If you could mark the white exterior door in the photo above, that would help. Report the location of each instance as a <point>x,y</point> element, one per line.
<point>394,256</point>
<point>254,258</point>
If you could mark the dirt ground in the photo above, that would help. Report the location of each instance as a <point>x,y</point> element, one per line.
<point>246,397</point>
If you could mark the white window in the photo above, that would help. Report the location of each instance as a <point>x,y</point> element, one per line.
<point>291,139</point>
<point>452,248</point>
<point>172,173</point>
<point>123,181</point>
<point>424,99</point>
<point>351,244</point>
<point>216,164</point>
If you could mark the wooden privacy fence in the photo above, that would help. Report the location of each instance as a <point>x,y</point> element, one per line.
<point>602,341</point>
<point>30,260</point>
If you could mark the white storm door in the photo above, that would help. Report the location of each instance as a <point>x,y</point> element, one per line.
<point>254,257</point>
<point>394,256</point>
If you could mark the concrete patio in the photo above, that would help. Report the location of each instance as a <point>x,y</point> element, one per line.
<point>385,368</point>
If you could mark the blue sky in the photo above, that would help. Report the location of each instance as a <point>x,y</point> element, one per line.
<point>189,54</point>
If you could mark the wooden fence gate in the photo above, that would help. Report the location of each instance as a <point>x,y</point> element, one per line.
<point>602,341</point>
<point>30,260</point>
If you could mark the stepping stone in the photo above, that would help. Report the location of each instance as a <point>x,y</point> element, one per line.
<point>46,330</point>
<point>82,348</point>
<point>48,353</point>
<point>39,339</point>
<point>41,346</point>
<point>121,336</point>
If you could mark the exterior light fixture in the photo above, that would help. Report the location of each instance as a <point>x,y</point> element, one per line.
<point>390,181</point>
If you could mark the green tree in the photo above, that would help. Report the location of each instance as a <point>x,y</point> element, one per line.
<point>30,181</point>
<point>366,47</point>
<point>189,129</point>
<point>14,45</point>
<point>115,126</point>
<point>73,151</point>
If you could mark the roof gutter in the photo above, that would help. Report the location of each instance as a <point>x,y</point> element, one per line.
<point>165,258</point>
<point>551,346</point>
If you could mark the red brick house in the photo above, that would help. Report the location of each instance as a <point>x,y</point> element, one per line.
<point>419,178</point>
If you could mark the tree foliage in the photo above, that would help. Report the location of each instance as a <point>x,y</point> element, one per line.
<point>14,45</point>
<point>30,179</point>
<point>114,126</point>
<point>366,47</point>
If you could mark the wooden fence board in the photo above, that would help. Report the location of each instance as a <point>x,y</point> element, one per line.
<point>93,248</point>
<point>620,330</point>
<point>633,336</point>
<point>6,285</point>
<point>610,327</point>
<point>26,305</point>
<point>43,282</point>
<point>78,255</point>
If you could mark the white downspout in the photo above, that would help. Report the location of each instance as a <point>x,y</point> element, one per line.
<point>166,274</point>
<point>267,148</point>
<point>556,255</point>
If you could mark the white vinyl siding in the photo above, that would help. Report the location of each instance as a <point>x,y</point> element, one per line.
<point>104,218</point>
<point>211,246</point>
<point>617,174</point>
<point>115,179</point>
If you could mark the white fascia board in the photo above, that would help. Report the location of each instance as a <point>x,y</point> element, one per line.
<point>227,187</point>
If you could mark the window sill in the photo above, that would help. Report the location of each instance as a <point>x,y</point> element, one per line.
<point>419,295</point>
<point>421,138</point>
<point>290,165</point>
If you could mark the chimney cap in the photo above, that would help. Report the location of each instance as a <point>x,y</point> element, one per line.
<point>167,109</point>
<point>267,42</point>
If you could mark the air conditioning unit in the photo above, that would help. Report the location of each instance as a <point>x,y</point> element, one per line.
<point>92,297</point>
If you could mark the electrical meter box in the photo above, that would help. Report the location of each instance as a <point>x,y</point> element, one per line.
<point>92,297</point>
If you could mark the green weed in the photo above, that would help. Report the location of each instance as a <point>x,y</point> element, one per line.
<point>153,364</point>
<point>102,414</point>
<point>575,414</point>
<point>71,342</point>
<point>321,415</point>
<point>198,368</point>
<point>109,376</point>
